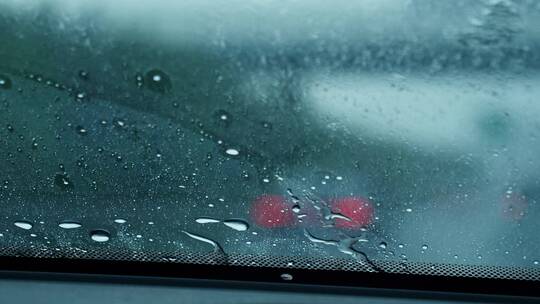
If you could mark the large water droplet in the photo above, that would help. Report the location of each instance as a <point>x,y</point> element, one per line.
<point>232,152</point>
<point>315,239</point>
<point>237,225</point>
<point>333,216</point>
<point>206,220</point>
<point>24,225</point>
<point>100,235</point>
<point>286,277</point>
<point>120,221</point>
<point>347,246</point>
<point>69,225</point>
<point>204,240</point>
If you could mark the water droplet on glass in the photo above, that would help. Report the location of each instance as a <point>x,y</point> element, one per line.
<point>5,82</point>
<point>139,80</point>
<point>81,130</point>
<point>61,180</point>
<point>223,116</point>
<point>408,210</point>
<point>296,209</point>
<point>400,245</point>
<point>157,81</point>
<point>204,240</point>
<point>267,125</point>
<point>119,123</point>
<point>286,277</point>
<point>315,239</point>
<point>383,245</point>
<point>69,225</point>
<point>232,152</point>
<point>424,247</point>
<point>120,221</point>
<point>80,96</point>
<point>23,225</point>
<point>236,225</point>
<point>83,74</point>
<point>536,262</point>
<point>100,236</point>
<point>205,220</point>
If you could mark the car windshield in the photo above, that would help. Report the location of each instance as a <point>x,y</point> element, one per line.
<point>361,134</point>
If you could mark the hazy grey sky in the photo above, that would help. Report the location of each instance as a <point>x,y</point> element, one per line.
<point>277,21</point>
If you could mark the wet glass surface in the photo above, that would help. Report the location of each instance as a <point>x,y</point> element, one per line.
<point>369,130</point>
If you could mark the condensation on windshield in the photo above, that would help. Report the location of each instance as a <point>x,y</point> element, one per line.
<point>365,130</point>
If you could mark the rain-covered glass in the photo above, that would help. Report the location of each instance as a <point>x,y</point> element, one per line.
<point>370,130</point>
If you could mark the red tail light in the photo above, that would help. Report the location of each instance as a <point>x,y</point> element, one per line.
<point>360,212</point>
<point>272,211</point>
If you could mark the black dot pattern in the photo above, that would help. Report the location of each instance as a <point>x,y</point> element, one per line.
<point>296,262</point>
